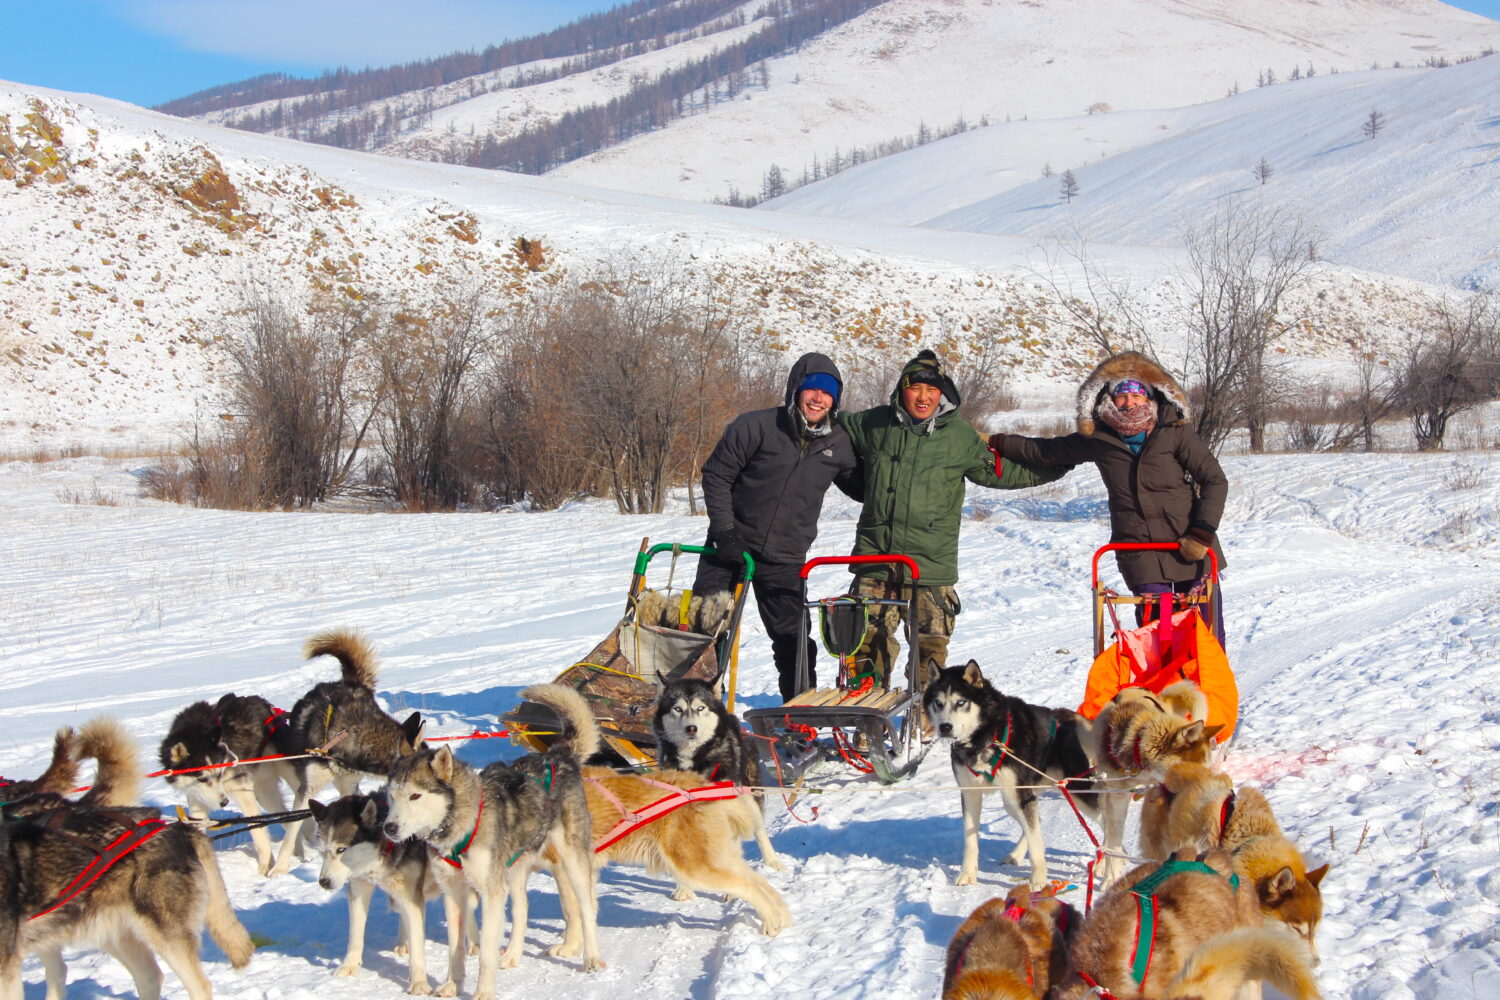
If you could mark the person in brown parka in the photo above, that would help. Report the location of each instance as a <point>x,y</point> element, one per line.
<point>1164,485</point>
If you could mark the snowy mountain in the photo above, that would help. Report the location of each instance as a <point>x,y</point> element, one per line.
<point>882,75</point>
<point>1402,202</point>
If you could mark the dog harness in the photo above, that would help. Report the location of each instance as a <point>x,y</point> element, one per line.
<point>997,750</point>
<point>1144,892</point>
<point>675,799</point>
<point>135,834</point>
<point>454,857</point>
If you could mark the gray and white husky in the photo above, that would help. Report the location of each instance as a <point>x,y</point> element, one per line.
<point>206,740</point>
<point>1001,743</point>
<point>496,822</point>
<point>695,732</point>
<point>357,853</point>
<point>152,900</point>
<point>342,718</point>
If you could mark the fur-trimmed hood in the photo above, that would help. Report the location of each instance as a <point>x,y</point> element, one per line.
<point>1171,401</point>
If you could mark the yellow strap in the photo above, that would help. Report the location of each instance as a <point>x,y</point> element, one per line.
<point>682,607</point>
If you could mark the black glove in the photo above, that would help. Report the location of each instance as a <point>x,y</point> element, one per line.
<point>997,443</point>
<point>729,546</point>
<point>1194,546</point>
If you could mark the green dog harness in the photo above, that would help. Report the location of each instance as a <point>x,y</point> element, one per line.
<point>1145,898</point>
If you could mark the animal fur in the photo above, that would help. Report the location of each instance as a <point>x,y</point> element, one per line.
<point>1265,858</point>
<point>1135,735</point>
<point>496,823</point>
<point>1220,968</point>
<point>60,777</point>
<point>1130,364</point>
<point>707,613</point>
<point>342,718</point>
<point>1184,812</point>
<point>695,732</point>
<point>1001,743</point>
<point>203,738</point>
<point>1191,908</point>
<point>698,844</point>
<point>154,900</point>
<point>357,854</point>
<point>1185,699</point>
<point>1010,949</point>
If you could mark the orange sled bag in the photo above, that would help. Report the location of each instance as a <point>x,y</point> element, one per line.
<point>1154,656</point>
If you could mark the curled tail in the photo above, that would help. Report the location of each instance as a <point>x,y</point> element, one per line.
<point>580,736</point>
<point>356,657</point>
<point>223,926</point>
<point>61,776</point>
<point>1219,967</point>
<point>118,782</point>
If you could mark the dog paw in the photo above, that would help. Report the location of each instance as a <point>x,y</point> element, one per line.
<point>507,961</point>
<point>565,949</point>
<point>346,970</point>
<point>473,947</point>
<point>682,894</point>
<point>401,950</point>
<point>966,878</point>
<point>1016,856</point>
<point>448,989</point>
<point>595,964</point>
<point>417,989</point>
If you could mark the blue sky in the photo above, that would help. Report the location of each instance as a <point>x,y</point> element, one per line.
<point>150,51</point>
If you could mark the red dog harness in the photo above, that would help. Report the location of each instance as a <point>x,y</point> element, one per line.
<point>135,834</point>
<point>675,799</point>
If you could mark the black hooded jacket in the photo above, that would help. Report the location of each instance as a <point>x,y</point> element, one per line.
<point>766,477</point>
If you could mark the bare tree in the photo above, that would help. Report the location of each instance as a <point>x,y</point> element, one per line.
<point>1452,367</point>
<point>1374,396</point>
<point>1263,171</point>
<point>1101,306</point>
<point>1243,262</point>
<point>1373,124</point>
<point>1069,186</point>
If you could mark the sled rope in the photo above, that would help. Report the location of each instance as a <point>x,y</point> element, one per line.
<point>851,756</point>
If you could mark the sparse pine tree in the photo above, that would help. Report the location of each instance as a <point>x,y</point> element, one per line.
<point>1312,71</point>
<point>1373,124</point>
<point>1263,170</point>
<point>774,184</point>
<point>1046,169</point>
<point>924,134</point>
<point>1270,76</point>
<point>1069,186</point>
<point>1296,72</point>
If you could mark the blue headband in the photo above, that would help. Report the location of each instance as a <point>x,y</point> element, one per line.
<point>822,381</point>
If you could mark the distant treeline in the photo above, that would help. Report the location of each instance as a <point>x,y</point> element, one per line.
<point>596,39</point>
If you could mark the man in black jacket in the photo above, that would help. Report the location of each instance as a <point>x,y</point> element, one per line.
<point>763,485</point>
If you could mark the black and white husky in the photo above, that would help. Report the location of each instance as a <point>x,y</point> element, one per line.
<point>357,853</point>
<point>1001,742</point>
<point>695,732</point>
<point>205,741</point>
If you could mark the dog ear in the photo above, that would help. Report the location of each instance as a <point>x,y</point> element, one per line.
<point>318,810</point>
<point>442,765</point>
<point>1316,875</point>
<point>1209,732</point>
<point>178,753</point>
<point>1280,886</point>
<point>661,680</point>
<point>369,816</point>
<point>972,674</point>
<point>411,733</point>
<point>1189,735</point>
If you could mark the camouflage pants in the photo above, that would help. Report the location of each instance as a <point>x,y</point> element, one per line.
<point>884,647</point>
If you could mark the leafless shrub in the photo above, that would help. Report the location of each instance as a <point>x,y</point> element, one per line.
<point>1463,476</point>
<point>1242,264</point>
<point>1098,305</point>
<point>1450,368</point>
<point>170,481</point>
<point>95,497</point>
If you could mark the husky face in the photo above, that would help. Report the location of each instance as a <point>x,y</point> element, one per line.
<point>688,720</point>
<point>421,795</point>
<point>953,704</point>
<point>204,790</point>
<point>348,838</point>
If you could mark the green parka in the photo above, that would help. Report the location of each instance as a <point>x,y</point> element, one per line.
<point>914,483</point>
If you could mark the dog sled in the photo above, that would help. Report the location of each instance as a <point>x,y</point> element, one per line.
<point>664,635</point>
<point>1177,644</point>
<point>789,743</point>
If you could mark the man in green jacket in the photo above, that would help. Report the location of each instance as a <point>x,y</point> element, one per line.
<point>917,455</point>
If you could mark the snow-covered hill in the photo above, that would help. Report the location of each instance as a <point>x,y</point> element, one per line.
<point>1404,202</point>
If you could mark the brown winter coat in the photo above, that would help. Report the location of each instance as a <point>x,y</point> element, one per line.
<point>1154,496</point>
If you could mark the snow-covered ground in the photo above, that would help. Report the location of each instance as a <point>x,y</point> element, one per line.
<point>1364,627</point>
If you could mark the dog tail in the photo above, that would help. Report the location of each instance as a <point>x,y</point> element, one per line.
<point>118,782</point>
<point>355,655</point>
<point>580,735</point>
<point>223,926</point>
<point>1219,967</point>
<point>61,776</point>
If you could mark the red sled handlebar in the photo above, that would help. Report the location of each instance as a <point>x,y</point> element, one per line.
<point>1213,557</point>
<point>907,561</point>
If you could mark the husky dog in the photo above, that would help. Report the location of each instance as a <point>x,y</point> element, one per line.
<point>1201,937</point>
<point>204,740</point>
<point>695,732</point>
<point>495,823</point>
<point>697,844</point>
<point>155,899</point>
<point>1001,742</point>
<point>60,777</point>
<point>1010,949</point>
<point>356,853</point>
<point>343,718</point>
<point>1186,812</point>
<point>1137,734</point>
<point>1263,856</point>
